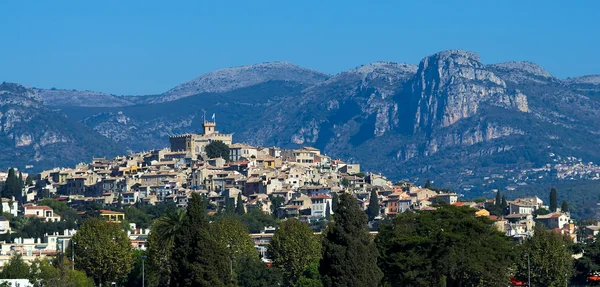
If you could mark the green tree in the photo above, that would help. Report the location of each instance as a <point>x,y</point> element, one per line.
<point>29,180</point>
<point>541,211</point>
<point>444,248</point>
<point>229,206</point>
<point>102,250</point>
<point>217,149</point>
<point>349,254</point>
<point>564,206</point>
<point>310,277</point>
<point>293,248</point>
<point>239,209</point>
<point>231,232</point>
<point>160,246</point>
<point>504,204</point>
<point>16,268</point>
<point>550,259</point>
<point>428,184</point>
<point>255,273</point>
<point>373,209</point>
<point>553,200</point>
<point>11,186</point>
<point>57,206</point>
<point>256,220</point>
<point>276,203</point>
<point>199,259</point>
<point>57,274</point>
<point>589,263</point>
<point>20,181</point>
<point>335,201</point>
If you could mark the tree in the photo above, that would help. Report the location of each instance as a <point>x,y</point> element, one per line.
<point>57,274</point>
<point>553,200</point>
<point>16,268</point>
<point>293,248</point>
<point>239,209</point>
<point>564,206</point>
<point>327,211</point>
<point>29,180</point>
<point>498,201</point>
<point>160,246</point>
<point>11,186</point>
<point>102,249</point>
<point>276,202</point>
<point>541,211</point>
<point>428,184</point>
<point>229,206</point>
<point>199,259</point>
<point>20,181</point>
<point>231,232</point>
<point>373,209</point>
<point>252,272</point>
<point>349,254</point>
<point>504,203</point>
<point>443,248</point>
<point>217,149</point>
<point>549,256</point>
<point>335,201</point>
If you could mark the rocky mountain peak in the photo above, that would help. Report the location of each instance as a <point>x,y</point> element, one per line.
<point>522,72</point>
<point>453,85</point>
<point>585,80</point>
<point>11,93</point>
<point>225,80</point>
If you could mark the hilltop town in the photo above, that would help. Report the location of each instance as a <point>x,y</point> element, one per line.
<point>300,183</point>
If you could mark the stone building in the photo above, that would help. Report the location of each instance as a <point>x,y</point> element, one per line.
<point>195,143</point>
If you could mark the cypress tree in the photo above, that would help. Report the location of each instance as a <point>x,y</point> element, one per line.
<point>229,206</point>
<point>504,203</point>
<point>428,184</point>
<point>349,254</point>
<point>239,209</point>
<point>373,209</point>
<point>564,207</point>
<point>11,186</point>
<point>327,211</point>
<point>21,182</point>
<point>335,201</point>
<point>553,200</point>
<point>498,201</point>
<point>198,259</point>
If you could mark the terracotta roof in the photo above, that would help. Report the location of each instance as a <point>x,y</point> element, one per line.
<point>321,196</point>
<point>104,211</point>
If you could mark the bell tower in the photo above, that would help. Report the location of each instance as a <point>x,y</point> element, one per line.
<point>209,127</point>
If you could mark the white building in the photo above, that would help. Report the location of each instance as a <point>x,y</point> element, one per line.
<point>320,205</point>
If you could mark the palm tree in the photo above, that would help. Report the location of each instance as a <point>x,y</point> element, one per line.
<point>160,246</point>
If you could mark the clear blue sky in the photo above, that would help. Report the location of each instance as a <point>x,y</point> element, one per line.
<point>147,47</point>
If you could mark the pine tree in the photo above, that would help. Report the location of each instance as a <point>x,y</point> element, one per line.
<point>428,184</point>
<point>498,201</point>
<point>198,258</point>
<point>349,254</point>
<point>553,200</point>
<point>29,180</point>
<point>564,207</point>
<point>239,209</point>
<point>373,209</point>
<point>21,182</point>
<point>504,204</point>
<point>327,211</point>
<point>229,205</point>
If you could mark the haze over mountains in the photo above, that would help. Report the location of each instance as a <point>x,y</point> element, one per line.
<point>452,118</point>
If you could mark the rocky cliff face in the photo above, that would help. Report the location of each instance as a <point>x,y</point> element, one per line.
<point>453,85</point>
<point>32,134</point>
<point>70,98</point>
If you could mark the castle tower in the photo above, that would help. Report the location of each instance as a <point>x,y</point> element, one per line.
<point>209,127</point>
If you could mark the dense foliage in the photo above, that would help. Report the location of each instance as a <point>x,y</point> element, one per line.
<point>447,246</point>
<point>217,149</point>
<point>349,253</point>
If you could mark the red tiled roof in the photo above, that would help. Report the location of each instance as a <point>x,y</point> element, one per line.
<point>321,196</point>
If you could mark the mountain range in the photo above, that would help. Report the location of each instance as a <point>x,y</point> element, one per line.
<point>467,125</point>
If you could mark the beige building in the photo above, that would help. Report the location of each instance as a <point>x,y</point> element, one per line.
<point>195,143</point>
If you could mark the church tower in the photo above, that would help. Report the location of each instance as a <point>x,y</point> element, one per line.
<point>209,127</point>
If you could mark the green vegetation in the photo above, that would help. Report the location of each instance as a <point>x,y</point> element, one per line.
<point>373,208</point>
<point>349,253</point>
<point>447,247</point>
<point>199,259</point>
<point>293,248</point>
<point>102,249</point>
<point>217,149</point>
<point>12,187</point>
<point>160,246</point>
<point>553,200</point>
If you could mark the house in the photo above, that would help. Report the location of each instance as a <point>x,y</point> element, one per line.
<point>130,198</point>
<point>525,205</point>
<point>112,216</point>
<point>10,206</point>
<point>239,151</point>
<point>449,198</point>
<point>43,212</point>
<point>554,220</point>
<point>321,206</point>
<point>4,225</point>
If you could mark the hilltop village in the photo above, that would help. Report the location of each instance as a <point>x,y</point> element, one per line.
<point>300,183</point>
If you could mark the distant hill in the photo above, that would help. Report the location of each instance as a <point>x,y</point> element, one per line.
<point>33,134</point>
<point>468,125</point>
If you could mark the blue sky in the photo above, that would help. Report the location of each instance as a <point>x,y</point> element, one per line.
<point>148,47</point>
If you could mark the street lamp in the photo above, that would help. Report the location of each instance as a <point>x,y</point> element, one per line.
<point>528,271</point>
<point>73,253</point>
<point>143,270</point>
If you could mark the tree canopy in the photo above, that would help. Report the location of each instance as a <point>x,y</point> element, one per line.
<point>293,248</point>
<point>553,200</point>
<point>217,149</point>
<point>199,259</point>
<point>373,209</point>
<point>449,245</point>
<point>102,249</point>
<point>349,256</point>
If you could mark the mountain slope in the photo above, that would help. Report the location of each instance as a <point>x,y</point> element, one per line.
<point>31,134</point>
<point>226,80</point>
<point>68,98</point>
